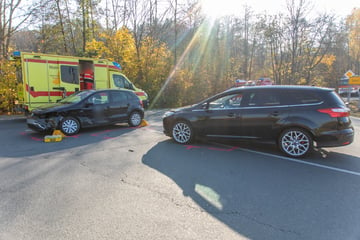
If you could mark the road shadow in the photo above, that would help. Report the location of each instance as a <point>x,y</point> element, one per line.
<point>328,156</point>
<point>26,143</point>
<point>261,197</point>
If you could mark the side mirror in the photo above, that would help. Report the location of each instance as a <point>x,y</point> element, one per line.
<point>89,104</point>
<point>205,106</point>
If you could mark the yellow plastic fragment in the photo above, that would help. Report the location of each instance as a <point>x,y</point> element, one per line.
<point>58,132</point>
<point>144,123</point>
<point>52,138</point>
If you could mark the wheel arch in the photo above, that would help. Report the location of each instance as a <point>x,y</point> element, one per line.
<point>62,116</point>
<point>137,110</point>
<point>297,122</point>
<point>183,119</point>
<point>302,127</point>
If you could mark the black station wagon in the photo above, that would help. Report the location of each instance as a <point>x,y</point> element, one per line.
<point>297,118</point>
<point>87,109</point>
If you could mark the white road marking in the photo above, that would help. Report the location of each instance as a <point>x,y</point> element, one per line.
<point>297,160</point>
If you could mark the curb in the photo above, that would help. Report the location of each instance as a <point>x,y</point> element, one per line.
<point>11,117</point>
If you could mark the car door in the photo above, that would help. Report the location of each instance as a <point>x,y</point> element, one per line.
<point>222,118</point>
<point>97,108</point>
<point>119,105</point>
<point>262,113</point>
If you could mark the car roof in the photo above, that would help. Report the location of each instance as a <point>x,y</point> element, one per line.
<point>111,90</point>
<point>279,87</point>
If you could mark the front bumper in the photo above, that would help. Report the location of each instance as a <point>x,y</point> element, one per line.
<point>168,122</point>
<point>336,138</point>
<point>41,125</point>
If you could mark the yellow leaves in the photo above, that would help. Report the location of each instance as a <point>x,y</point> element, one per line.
<point>328,59</point>
<point>353,23</point>
<point>96,49</point>
<point>147,66</point>
<point>119,47</point>
<point>8,85</point>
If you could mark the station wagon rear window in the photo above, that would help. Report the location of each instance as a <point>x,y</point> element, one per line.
<point>302,97</point>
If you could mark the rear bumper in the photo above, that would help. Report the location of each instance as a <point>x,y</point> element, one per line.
<point>146,103</point>
<point>336,138</point>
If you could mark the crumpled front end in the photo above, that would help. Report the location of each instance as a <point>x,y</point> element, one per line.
<point>42,123</point>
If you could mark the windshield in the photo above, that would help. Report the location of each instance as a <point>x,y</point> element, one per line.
<point>76,97</point>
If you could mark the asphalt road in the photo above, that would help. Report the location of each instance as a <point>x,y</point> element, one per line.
<point>135,183</point>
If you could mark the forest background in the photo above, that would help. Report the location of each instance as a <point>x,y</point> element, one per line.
<point>175,51</point>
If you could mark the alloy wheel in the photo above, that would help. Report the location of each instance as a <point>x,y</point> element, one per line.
<point>182,132</point>
<point>295,143</point>
<point>70,126</point>
<point>135,119</point>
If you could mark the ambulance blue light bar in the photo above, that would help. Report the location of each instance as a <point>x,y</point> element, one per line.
<point>116,64</point>
<point>16,54</point>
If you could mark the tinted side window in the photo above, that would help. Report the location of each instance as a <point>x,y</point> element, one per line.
<point>99,98</point>
<point>226,102</point>
<point>333,98</point>
<point>69,74</point>
<point>118,97</point>
<point>264,99</point>
<point>302,97</point>
<point>132,96</point>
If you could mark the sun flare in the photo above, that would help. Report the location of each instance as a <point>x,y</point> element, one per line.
<point>215,9</point>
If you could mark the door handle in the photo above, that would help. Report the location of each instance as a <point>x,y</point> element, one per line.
<point>232,115</point>
<point>275,114</point>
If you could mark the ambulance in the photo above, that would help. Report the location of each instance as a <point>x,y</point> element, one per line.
<point>48,78</point>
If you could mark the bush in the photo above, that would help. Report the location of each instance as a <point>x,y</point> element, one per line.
<point>8,86</point>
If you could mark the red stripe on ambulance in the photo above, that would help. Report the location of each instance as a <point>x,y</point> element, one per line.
<point>51,61</point>
<point>46,93</point>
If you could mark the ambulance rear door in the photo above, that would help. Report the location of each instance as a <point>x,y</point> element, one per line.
<point>36,81</point>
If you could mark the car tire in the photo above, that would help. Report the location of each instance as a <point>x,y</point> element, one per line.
<point>135,119</point>
<point>295,142</point>
<point>182,132</point>
<point>70,126</point>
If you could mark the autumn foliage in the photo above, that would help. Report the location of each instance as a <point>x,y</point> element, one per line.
<point>10,89</point>
<point>178,55</point>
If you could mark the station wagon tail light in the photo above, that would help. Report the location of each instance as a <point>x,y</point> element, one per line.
<point>336,112</point>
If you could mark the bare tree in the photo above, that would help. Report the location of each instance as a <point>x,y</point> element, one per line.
<point>318,42</point>
<point>70,27</point>
<point>296,26</point>
<point>61,22</point>
<point>13,15</point>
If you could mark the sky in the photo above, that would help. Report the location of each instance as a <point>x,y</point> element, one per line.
<point>341,8</point>
<point>215,8</point>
